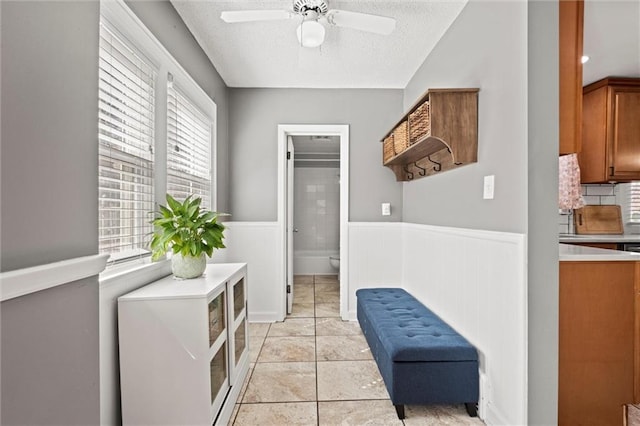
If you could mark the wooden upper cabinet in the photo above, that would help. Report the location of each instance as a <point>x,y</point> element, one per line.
<point>570,25</point>
<point>625,131</point>
<point>611,131</point>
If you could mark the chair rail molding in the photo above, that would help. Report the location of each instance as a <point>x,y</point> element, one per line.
<point>36,278</point>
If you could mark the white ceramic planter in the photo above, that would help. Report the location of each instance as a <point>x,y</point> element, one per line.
<point>188,266</point>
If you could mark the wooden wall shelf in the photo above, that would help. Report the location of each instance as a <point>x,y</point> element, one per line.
<point>451,140</point>
<point>419,150</point>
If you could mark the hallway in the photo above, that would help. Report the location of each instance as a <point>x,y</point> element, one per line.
<point>315,369</point>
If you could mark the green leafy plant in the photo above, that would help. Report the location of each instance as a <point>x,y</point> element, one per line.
<point>183,228</point>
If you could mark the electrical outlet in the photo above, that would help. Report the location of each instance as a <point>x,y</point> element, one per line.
<point>488,187</point>
<point>386,209</point>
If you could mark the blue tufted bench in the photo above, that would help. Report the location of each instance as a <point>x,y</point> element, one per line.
<point>421,358</point>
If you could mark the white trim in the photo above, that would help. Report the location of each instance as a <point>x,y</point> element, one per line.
<point>376,224</point>
<point>341,130</point>
<point>29,280</point>
<point>250,224</point>
<point>470,233</point>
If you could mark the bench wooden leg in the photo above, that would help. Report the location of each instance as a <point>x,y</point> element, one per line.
<point>400,411</point>
<point>472,409</point>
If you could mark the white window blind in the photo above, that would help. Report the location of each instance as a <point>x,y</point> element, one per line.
<point>188,148</point>
<point>634,202</point>
<point>126,143</point>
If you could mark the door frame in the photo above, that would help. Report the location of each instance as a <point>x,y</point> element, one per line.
<point>341,130</point>
<point>290,200</point>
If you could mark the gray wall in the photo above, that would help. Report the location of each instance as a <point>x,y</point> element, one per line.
<point>50,364</point>
<point>486,48</point>
<point>49,83</point>
<point>542,212</point>
<point>254,115</point>
<point>49,130</point>
<point>165,23</point>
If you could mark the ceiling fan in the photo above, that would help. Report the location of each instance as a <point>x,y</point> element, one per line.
<point>313,14</point>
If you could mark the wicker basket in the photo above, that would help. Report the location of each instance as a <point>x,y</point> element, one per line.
<point>419,123</point>
<point>387,149</point>
<point>401,137</point>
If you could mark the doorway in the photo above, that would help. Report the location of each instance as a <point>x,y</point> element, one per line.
<point>286,165</point>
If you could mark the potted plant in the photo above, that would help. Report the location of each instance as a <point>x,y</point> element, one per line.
<point>189,232</point>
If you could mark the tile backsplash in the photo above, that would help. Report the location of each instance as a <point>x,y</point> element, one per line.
<point>596,194</point>
<point>599,195</point>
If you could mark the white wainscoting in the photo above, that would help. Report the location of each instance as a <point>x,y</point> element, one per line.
<point>259,245</point>
<point>375,258</point>
<point>476,281</point>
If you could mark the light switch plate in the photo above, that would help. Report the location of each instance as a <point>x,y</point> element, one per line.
<point>488,187</point>
<point>386,209</point>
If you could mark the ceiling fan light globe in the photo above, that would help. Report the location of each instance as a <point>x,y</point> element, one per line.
<point>310,34</point>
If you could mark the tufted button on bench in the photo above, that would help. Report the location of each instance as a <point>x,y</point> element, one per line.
<point>422,359</point>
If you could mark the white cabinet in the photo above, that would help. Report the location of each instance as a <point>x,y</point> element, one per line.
<point>184,348</point>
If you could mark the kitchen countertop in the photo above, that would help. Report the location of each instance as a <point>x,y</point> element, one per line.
<point>569,252</point>
<point>599,238</point>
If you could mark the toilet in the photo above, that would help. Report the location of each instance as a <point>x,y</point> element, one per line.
<point>335,262</point>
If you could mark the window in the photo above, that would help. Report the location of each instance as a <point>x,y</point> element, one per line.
<point>634,202</point>
<point>188,148</point>
<point>126,142</point>
<point>156,134</point>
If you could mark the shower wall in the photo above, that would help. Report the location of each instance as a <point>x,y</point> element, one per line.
<point>317,218</point>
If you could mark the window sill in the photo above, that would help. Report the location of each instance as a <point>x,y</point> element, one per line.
<point>139,270</point>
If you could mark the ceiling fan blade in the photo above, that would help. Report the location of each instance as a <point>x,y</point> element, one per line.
<point>236,16</point>
<point>361,21</point>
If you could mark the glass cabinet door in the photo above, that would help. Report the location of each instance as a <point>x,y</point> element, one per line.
<point>238,298</point>
<point>218,370</point>
<point>237,325</point>
<point>240,340</point>
<point>216,317</point>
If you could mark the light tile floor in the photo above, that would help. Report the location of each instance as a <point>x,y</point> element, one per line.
<point>315,369</point>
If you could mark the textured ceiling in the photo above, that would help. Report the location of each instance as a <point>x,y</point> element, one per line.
<point>267,54</point>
